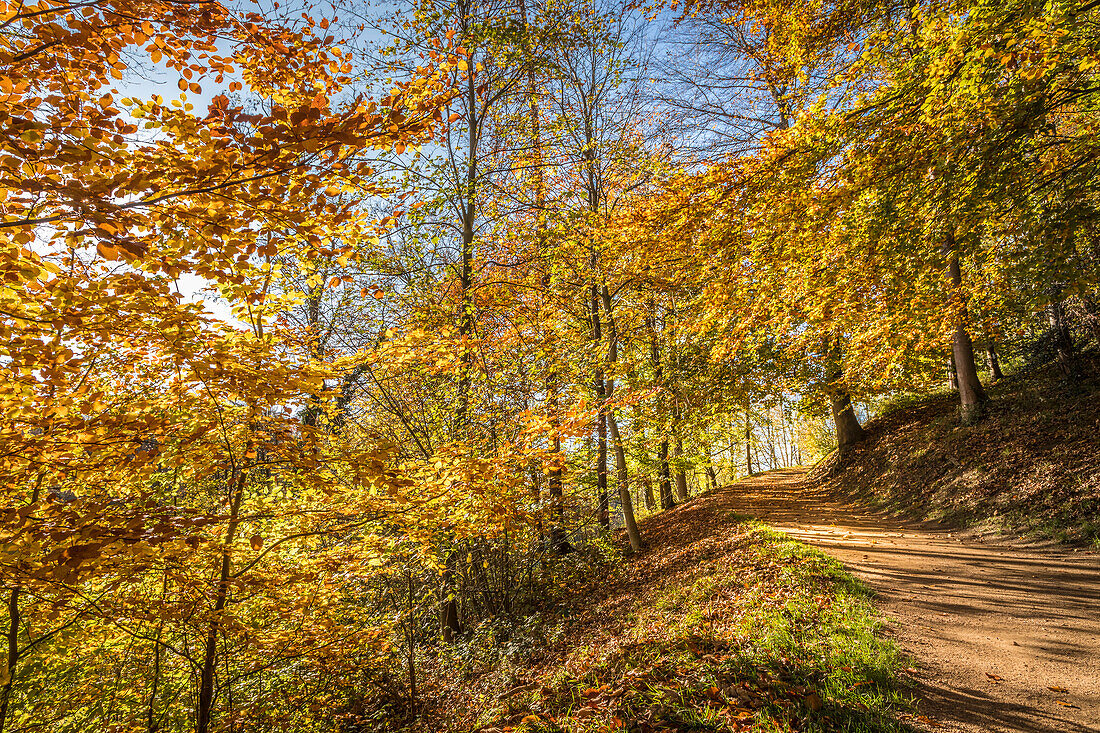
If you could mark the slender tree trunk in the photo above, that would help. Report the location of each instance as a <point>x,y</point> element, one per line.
<point>221,599</point>
<point>558,543</point>
<point>952,372</point>
<point>1064,350</point>
<point>972,397</point>
<point>667,501</point>
<point>712,476</point>
<point>994,360</point>
<point>748,438</point>
<point>410,642</point>
<point>449,623</point>
<point>12,655</point>
<point>14,617</point>
<point>625,499</point>
<point>469,212</point>
<point>624,485</point>
<point>680,476</point>
<point>557,509</point>
<point>650,500</point>
<point>1092,316</point>
<point>773,459</point>
<point>601,416</point>
<point>151,723</point>
<point>665,485</point>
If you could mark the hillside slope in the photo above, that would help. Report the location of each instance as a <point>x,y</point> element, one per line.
<point>720,624</point>
<point>1032,466</point>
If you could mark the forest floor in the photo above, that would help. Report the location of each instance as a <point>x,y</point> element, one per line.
<point>1006,634</point>
<point>1030,467</point>
<point>720,624</point>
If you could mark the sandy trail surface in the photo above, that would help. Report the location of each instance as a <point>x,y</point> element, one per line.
<point>1006,637</point>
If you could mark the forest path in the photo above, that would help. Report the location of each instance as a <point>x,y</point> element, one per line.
<point>1006,637</point>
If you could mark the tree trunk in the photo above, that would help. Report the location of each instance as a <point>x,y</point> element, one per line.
<point>848,430</point>
<point>557,509</point>
<point>952,372</point>
<point>558,544</point>
<point>410,642</point>
<point>1092,316</point>
<point>972,397</point>
<point>151,716</point>
<point>601,396</point>
<point>12,655</point>
<point>665,486</point>
<point>449,624</point>
<point>748,438</point>
<point>206,674</point>
<point>1064,350</point>
<point>680,476</point>
<point>650,500</point>
<point>624,485</point>
<point>994,361</point>
<point>466,316</point>
<point>666,482</point>
<point>625,500</point>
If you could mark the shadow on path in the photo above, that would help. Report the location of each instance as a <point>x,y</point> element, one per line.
<point>1007,638</point>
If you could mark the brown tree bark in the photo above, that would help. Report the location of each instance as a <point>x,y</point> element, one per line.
<point>601,415</point>
<point>712,476</point>
<point>972,396</point>
<point>848,430</point>
<point>205,707</point>
<point>665,491</point>
<point>469,212</point>
<point>994,360</point>
<point>1092,316</point>
<point>558,543</point>
<point>624,485</point>
<point>665,485</point>
<point>626,502</point>
<point>748,437</point>
<point>450,625</point>
<point>650,500</point>
<point>410,642</point>
<point>12,656</point>
<point>680,477</point>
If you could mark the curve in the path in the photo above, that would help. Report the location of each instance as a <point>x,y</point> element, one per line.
<point>1007,638</point>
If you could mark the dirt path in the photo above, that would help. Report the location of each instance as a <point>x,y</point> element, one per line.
<point>1006,638</point>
